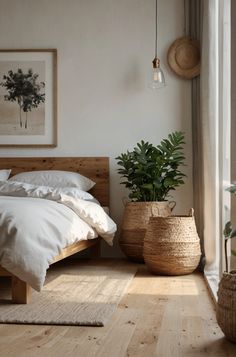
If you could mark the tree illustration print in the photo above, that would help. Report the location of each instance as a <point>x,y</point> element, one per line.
<point>25,89</point>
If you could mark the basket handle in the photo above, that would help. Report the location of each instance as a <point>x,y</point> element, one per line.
<point>191,212</point>
<point>172,205</point>
<point>155,211</point>
<point>125,200</point>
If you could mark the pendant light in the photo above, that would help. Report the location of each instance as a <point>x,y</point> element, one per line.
<point>157,76</point>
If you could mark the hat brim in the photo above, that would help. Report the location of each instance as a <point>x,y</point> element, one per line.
<point>184,57</point>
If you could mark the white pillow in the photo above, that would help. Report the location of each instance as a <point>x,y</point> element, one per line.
<point>55,178</point>
<point>21,189</point>
<point>4,174</point>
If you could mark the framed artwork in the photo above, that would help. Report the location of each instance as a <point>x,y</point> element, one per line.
<point>28,98</point>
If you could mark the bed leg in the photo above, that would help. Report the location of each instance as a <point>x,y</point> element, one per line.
<point>21,291</point>
<point>95,250</point>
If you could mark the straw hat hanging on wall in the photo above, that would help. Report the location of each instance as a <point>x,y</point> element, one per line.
<point>184,55</point>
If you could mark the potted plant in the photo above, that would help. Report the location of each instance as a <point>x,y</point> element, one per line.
<point>226,305</point>
<point>150,173</point>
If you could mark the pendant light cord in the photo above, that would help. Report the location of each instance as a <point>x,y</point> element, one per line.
<point>185,20</point>
<point>156,33</point>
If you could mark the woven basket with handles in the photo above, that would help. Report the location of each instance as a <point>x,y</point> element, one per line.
<point>135,220</point>
<point>171,245</point>
<point>226,306</point>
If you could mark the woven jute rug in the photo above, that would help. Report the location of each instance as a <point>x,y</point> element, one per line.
<point>74,294</point>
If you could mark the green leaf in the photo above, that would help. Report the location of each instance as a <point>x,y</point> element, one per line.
<point>233,252</point>
<point>147,186</point>
<point>227,229</point>
<point>169,182</point>
<point>157,183</point>
<point>231,189</point>
<point>233,234</point>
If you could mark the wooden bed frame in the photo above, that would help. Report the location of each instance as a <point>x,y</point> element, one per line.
<point>95,168</point>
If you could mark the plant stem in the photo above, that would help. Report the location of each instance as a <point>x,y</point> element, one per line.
<point>226,256</point>
<point>20,118</point>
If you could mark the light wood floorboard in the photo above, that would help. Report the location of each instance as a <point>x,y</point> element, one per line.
<point>159,316</point>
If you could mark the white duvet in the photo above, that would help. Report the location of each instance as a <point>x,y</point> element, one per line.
<point>35,230</point>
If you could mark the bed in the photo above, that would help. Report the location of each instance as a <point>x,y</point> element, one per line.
<point>95,168</point>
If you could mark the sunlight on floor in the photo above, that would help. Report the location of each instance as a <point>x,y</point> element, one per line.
<point>170,285</point>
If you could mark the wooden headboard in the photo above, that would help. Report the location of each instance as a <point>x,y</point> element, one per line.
<point>95,168</point>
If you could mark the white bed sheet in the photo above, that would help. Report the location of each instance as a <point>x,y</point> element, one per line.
<point>34,230</point>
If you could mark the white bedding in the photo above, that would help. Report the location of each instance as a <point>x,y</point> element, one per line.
<point>34,230</point>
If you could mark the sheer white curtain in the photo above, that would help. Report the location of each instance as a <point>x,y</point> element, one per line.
<point>215,118</point>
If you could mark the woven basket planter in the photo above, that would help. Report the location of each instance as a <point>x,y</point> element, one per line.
<point>226,306</point>
<point>171,245</point>
<point>135,220</point>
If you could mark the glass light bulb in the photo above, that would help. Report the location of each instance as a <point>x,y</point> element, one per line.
<point>157,78</point>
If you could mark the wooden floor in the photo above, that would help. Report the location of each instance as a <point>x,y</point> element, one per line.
<point>159,316</point>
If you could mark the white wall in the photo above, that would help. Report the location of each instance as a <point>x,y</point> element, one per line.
<point>105,49</point>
